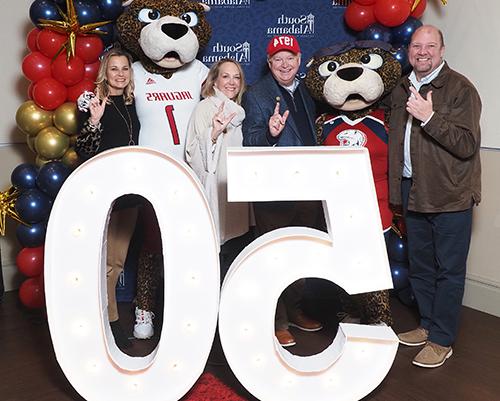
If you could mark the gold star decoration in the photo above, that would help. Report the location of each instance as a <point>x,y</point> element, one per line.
<point>417,2</point>
<point>71,27</point>
<point>7,208</point>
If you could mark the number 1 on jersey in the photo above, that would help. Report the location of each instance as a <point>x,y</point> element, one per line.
<point>169,110</point>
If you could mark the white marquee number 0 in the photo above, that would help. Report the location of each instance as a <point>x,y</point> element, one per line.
<point>77,308</point>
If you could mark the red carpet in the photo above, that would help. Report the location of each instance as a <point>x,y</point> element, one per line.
<point>209,388</point>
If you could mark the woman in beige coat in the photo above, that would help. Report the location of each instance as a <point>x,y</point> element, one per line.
<point>215,125</point>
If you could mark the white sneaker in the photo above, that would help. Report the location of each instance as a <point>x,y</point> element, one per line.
<point>143,328</point>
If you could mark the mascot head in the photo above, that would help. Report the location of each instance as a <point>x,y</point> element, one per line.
<point>164,34</point>
<point>352,76</point>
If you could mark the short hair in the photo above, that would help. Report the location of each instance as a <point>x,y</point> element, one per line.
<point>102,82</point>
<point>208,86</point>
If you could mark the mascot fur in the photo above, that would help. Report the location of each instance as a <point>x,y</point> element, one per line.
<point>165,36</point>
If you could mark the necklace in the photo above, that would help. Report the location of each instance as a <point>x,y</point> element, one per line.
<point>128,122</point>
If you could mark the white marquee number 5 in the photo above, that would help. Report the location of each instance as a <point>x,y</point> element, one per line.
<point>350,368</point>
<point>351,255</point>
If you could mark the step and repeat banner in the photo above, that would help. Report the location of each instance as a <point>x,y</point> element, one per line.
<point>241,29</point>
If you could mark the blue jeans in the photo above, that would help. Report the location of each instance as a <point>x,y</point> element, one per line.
<point>438,245</point>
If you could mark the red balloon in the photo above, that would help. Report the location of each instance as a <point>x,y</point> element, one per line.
<point>31,293</point>
<point>76,90</point>
<point>358,17</point>
<point>68,72</point>
<point>91,70</point>
<point>31,39</point>
<point>391,12</point>
<point>36,66</point>
<point>88,48</point>
<point>50,42</point>
<point>29,261</point>
<point>365,2</point>
<point>49,94</point>
<point>419,10</point>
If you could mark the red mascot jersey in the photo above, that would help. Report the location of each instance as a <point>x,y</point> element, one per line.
<point>370,132</point>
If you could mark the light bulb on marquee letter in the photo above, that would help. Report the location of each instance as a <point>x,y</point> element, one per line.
<point>75,240</point>
<point>360,356</point>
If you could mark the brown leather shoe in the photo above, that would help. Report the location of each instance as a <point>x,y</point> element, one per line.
<point>302,322</point>
<point>285,338</point>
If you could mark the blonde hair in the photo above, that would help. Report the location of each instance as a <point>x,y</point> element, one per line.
<point>207,88</point>
<point>101,82</point>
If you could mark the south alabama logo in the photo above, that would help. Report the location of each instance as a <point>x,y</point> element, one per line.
<point>239,51</point>
<point>227,3</point>
<point>301,25</point>
<point>351,137</point>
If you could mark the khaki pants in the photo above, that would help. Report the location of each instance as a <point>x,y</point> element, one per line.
<point>120,229</point>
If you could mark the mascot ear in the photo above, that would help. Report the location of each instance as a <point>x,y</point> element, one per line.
<point>205,7</point>
<point>126,3</point>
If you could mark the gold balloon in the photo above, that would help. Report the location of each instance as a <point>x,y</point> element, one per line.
<point>30,140</point>
<point>65,118</point>
<point>50,143</point>
<point>30,118</point>
<point>70,158</point>
<point>40,161</point>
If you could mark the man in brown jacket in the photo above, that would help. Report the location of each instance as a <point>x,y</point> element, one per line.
<point>435,175</point>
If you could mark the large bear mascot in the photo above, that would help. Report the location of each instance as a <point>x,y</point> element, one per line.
<point>165,35</point>
<point>352,79</point>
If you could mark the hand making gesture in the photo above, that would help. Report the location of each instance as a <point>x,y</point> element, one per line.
<point>220,121</point>
<point>277,121</point>
<point>96,108</point>
<point>419,107</point>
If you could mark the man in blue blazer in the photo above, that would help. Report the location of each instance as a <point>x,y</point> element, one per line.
<point>280,112</point>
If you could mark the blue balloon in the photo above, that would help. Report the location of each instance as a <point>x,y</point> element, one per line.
<point>401,55</point>
<point>23,177</point>
<point>51,177</point>
<point>87,12</point>
<point>376,32</point>
<point>401,34</point>
<point>110,9</point>
<point>399,273</point>
<point>33,236</point>
<point>397,248</point>
<point>33,206</point>
<point>45,9</point>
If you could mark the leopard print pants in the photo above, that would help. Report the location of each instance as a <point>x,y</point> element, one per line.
<point>148,279</point>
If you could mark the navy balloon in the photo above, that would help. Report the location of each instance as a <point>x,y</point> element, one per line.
<point>23,177</point>
<point>376,32</point>
<point>399,272</point>
<point>51,177</point>
<point>397,248</point>
<point>87,11</point>
<point>401,34</point>
<point>32,236</point>
<point>401,55</point>
<point>33,206</point>
<point>45,9</point>
<point>110,9</point>
<point>109,37</point>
